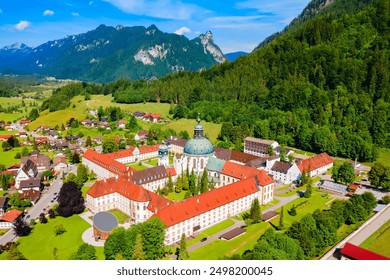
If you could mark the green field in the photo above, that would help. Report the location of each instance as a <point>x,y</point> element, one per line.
<point>8,157</point>
<point>219,248</point>
<point>384,156</point>
<point>82,107</point>
<point>39,245</point>
<point>211,129</point>
<point>378,242</point>
<point>12,117</point>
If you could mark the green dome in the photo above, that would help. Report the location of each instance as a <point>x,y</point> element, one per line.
<point>198,146</point>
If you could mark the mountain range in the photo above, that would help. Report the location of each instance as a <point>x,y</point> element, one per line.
<point>106,54</point>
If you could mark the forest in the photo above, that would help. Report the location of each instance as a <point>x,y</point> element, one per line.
<point>320,86</point>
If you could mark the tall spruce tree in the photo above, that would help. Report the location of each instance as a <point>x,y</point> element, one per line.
<point>255,211</point>
<point>182,253</point>
<point>138,252</point>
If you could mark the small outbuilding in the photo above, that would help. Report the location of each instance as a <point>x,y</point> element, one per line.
<point>103,224</point>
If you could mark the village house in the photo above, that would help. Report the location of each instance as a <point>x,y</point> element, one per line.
<point>42,161</point>
<point>28,170</point>
<point>139,115</point>
<point>141,135</point>
<point>3,204</point>
<point>8,218</point>
<point>32,195</point>
<point>175,144</point>
<point>121,124</point>
<point>60,164</point>
<point>24,122</point>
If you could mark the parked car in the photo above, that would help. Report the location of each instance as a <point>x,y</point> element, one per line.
<point>203,239</point>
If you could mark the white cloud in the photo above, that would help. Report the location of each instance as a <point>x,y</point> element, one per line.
<point>75,14</point>
<point>286,9</point>
<point>23,24</point>
<point>166,9</point>
<point>48,13</point>
<point>182,30</point>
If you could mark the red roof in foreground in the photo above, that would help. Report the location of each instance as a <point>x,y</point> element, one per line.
<point>315,162</point>
<point>11,216</point>
<point>243,172</point>
<point>359,253</point>
<point>196,205</point>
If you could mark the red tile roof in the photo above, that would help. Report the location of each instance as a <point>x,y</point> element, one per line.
<point>315,162</point>
<point>107,162</point>
<point>196,205</point>
<point>124,153</point>
<point>5,137</point>
<point>358,253</point>
<point>128,189</point>
<point>10,216</point>
<point>155,116</point>
<point>148,149</point>
<point>353,187</point>
<point>243,172</point>
<point>171,171</point>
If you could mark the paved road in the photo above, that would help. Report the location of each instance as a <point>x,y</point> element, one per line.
<point>43,202</point>
<point>371,227</point>
<point>362,233</point>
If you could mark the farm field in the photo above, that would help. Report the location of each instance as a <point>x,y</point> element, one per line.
<point>81,108</point>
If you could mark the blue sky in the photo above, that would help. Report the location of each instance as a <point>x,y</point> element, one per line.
<point>236,25</point>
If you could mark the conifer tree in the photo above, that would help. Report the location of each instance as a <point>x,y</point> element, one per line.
<point>204,183</point>
<point>281,219</point>
<point>255,212</point>
<point>170,184</point>
<point>182,253</point>
<point>138,253</point>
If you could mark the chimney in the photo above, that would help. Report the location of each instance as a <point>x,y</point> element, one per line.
<point>104,179</point>
<point>197,200</point>
<point>116,177</point>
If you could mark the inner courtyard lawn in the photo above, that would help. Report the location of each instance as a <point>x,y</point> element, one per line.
<point>42,241</point>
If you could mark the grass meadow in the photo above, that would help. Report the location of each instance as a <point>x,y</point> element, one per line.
<point>378,242</point>
<point>41,243</point>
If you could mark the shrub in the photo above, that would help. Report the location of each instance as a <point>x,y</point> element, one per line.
<point>59,229</point>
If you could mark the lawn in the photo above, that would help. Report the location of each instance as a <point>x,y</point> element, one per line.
<point>220,248</point>
<point>211,231</point>
<point>153,162</point>
<point>378,242</point>
<point>6,132</point>
<point>138,167</point>
<point>39,245</point>
<point>384,156</point>
<point>122,217</point>
<point>210,129</point>
<point>8,157</point>
<point>11,117</point>
<point>2,231</point>
<point>174,196</point>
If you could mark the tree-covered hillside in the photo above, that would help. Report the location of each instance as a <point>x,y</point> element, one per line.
<point>322,86</point>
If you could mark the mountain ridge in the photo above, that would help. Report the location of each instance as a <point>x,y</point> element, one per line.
<point>108,53</point>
